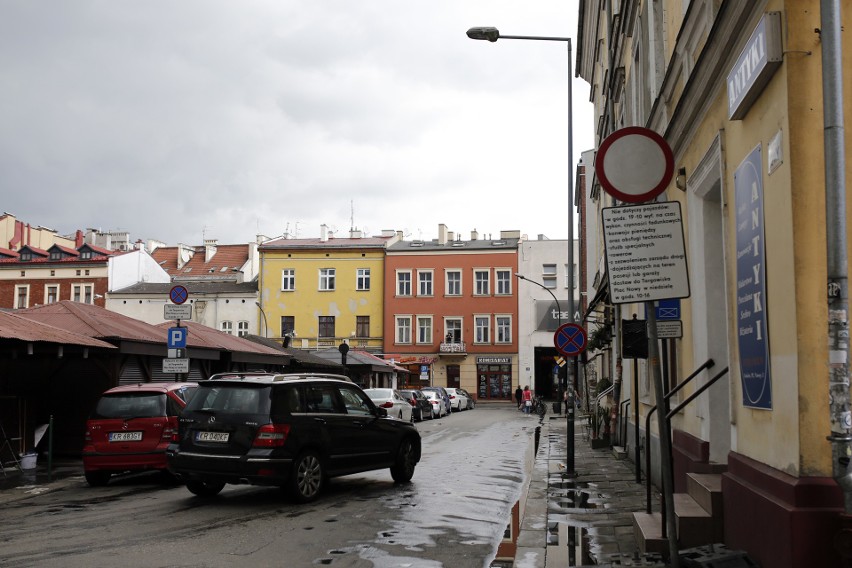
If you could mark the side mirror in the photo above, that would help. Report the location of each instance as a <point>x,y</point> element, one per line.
<point>381,412</point>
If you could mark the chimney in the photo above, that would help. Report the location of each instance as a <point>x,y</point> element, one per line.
<point>324,233</point>
<point>355,233</point>
<point>442,234</point>
<point>209,249</point>
<point>184,255</point>
<point>474,235</point>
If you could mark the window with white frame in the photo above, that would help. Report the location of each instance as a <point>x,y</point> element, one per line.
<point>227,327</point>
<point>503,329</point>
<point>424,329</point>
<point>51,293</point>
<point>403,329</point>
<point>22,297</point>
<point>362,279</point>
<point>288,280</point>
<point>326,279</point>
<point>503,280</point>
<point>453,327</point>
<point>242,328</point>
<point>454,282</point>
<point>403,283</point>
<point>548,275</point>
<point>482,329</point>
<point>481,282</point>
<point>83,293</point>
<point>425,279</point>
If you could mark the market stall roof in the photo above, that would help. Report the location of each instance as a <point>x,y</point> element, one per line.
<point>14,326</point>
<point>355,357</point>
<point>242,349</point>
<point>299,357</point>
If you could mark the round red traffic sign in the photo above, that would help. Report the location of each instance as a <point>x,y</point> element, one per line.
<point>178,294</point>
<point>634,164</point>
<point>570,339</point>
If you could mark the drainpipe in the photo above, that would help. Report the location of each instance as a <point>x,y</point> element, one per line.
<point>837,285</point>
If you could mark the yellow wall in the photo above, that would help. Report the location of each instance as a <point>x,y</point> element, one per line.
<point>307,302</point>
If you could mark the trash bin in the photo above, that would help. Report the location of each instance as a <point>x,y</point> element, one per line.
<point>28,461</point>
<point>557,408</point>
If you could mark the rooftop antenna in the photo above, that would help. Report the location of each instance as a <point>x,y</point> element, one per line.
<point>351,215</point>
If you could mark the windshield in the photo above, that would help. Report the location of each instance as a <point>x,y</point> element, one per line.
<point>131,405</point>
<point>231,399</point>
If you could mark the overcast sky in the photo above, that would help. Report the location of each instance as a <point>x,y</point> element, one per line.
<point>179,120</point>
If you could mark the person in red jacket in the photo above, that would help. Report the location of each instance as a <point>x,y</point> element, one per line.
<point>527,396</point>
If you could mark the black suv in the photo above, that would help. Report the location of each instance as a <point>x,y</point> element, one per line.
<point>295,431</point>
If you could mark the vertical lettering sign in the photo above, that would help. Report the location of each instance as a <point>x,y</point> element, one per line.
<point>752,336</point>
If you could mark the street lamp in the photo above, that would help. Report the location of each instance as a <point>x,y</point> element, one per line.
<point>493,34</point>
<point>265,321</point>
<point>549,291</point>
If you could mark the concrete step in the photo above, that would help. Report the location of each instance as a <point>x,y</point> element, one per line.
<point>706,489</point>
<point>648,534</point>
<point>694,524</point>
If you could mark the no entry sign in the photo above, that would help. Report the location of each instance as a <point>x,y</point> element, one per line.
<point>634,164</point>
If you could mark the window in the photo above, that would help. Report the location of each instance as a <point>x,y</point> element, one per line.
<point>22,294</point>
<point>227,327</point>
<point>288,280</point>
<point>51,294</point>
<point>481,282</point>
<point>288,325</point>
<point>424,329</point>
<point>504,329</point>
<point>424,283</point>
<point>362,279</point>
<point>86,254</point>
<point>25,255</point>
<point>82,293</point>
<point>403,283</point>
<point>403,329</point>
<point>55,255</point>
<point>504,282</point>
<point>326,279</point>
<point>354,401</point>
<point>454,283</point>
<point>322,399</point>
<point>482,326</point>
<point>362,326</point>
<point>548,275</point>
<point>454,330</point>
<point>326,326</point>
<point>242,328</point>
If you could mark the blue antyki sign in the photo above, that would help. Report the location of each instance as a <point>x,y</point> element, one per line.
<point>752,336</point>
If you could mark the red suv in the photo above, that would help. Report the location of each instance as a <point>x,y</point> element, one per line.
<point>131,427</point>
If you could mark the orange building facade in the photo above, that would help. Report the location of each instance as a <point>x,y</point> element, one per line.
<point>451,312</point>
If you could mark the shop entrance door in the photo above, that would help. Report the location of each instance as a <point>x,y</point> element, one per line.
<point>453,376</point>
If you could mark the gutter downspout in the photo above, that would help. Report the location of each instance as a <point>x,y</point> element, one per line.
<point>835,213</point>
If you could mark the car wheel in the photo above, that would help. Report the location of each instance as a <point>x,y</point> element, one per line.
<point>307,477</point>
<point>406,459</point>
<point>204,488</point>
<point>97,478</point>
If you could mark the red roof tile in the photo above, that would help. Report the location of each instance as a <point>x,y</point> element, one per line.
<point>227,256</point>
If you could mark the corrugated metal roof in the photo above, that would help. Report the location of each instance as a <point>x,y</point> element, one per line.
<point>93,321</point>
<point>14,326</point>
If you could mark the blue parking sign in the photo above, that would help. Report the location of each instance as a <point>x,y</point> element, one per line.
<point>668,310</point>
<point>176,338</point>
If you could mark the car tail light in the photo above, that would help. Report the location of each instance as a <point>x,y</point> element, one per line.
<point>170,431</point>
<point>271,436</point>
<point>412,402</point>
<point>387,404</point>
<point>452,396</point>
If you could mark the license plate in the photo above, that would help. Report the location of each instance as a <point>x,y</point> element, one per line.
<point>125,436</point>
<point>211,436</point>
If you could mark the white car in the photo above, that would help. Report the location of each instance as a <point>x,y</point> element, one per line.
<point>458,399</point>
<point>393,402</point>
<point>439,409</point>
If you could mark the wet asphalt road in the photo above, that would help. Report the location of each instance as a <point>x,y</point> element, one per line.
<point>452,514</point>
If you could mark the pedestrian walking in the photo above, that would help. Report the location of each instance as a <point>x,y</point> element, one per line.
<point>519,395</point>
<point>527,397</point>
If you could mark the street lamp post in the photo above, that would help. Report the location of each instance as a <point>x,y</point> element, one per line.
<point>265,321</point>
<point>493,34</point>
<point>558,318</point>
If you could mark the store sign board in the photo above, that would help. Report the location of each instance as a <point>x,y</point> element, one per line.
<point>757,63</point>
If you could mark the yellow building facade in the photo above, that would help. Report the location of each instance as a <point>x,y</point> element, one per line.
<point>322,292</point>
<point>736,90</point>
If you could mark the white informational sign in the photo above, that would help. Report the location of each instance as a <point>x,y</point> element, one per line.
<point>177,311</point>
<point>175,365</point>
<point>669,329</point>
<point>645,253</point>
